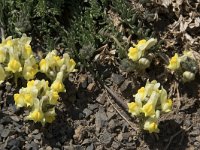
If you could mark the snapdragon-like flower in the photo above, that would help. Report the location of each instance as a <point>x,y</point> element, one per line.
<point>36,114</point>
<point>2,54</point>
<point>134,108</point>
<point>30,68</point>
<point>151,124</point>
<point>14,66</point>
<point>70,63</point>
<point>166,103</point>
<point>174,62</point>
<point>58,85</point>
<point>150,107</point>
<point>135,53</point>
<point>2,74</point>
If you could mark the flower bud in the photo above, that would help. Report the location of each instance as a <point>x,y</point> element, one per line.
<point>188,76</point>
<point>144,63</point>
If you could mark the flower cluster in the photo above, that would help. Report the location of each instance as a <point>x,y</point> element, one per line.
<point>40,98</point>
<point>52,64</point>
<point>150,100</point>
<point>139,53</point>
<point>16,58</point>
<point>184,65</point>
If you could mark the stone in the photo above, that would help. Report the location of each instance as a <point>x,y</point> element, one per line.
<point>101,98</point>
<point>37,136</point>
<point>100,119</point>
<point>87,112</point>
<point>117,78</point>
<point>5,133</point>
<point>125,85</point>
<point>115,145</point>
<point>90,147</point>
<point>106,138</point>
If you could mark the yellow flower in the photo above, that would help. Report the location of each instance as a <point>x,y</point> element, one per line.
<point>151,86</point>
<point>30,83</point>
<point>134,108</point>
<point>53,97</point>
<point>27,51</point>
<point>134,53</point>
<point>166,104</point>
<point>36,115</point>
<point>141,95</point>
<point>30,68</point>
<point>58,85</point>
<point>9,42</point>
<point>19,100</point>
<point>149,108</point>
<point>2,55</point>
<point>2,74</point>
<point>70,63</point>
<point>24,99</point>
<point>30,72</point>
<point>174,62</point>
<point>145,45</point>
<point>44,66</point>
<point>151,125</point>
<point>14,66</point>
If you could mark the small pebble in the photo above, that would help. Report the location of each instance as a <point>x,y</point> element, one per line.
<point>5,133</point>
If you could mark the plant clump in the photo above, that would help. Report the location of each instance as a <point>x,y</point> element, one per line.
<point>150,101</point>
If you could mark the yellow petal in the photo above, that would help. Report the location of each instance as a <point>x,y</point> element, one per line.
<point>19,100</point>
<point>133,54</point>
<point>44,66</point>
<point>14,66</point>
<point>174,62</point>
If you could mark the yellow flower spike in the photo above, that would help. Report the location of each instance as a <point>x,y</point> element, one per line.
<point>145,45</point>
<point>19,100</point>
<point>30,83</point>
<point>58,85</point>
<point>27,51</point>
<point>54,98</point>
<point>174,62</point>
<point>14,66</point>
<point>134,54</point>
<point>134,108</point>
<point>43,66</point>
<point>149,108</point>
<point>9,42</point>
<point>151,86</point>
<point>141,94</point>
<point>2,74</point>
<point>36,115</point>
<point>28,99</point>
<point>30,68</point>
<point>151,124</point>
<point>70,63</point>
<point>2,55</point>
<point>166,104</point>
